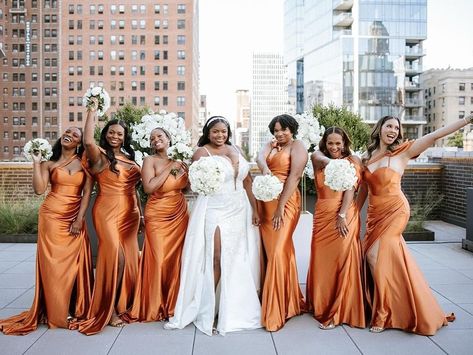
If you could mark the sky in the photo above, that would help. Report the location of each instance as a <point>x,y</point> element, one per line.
<point>231,30</point>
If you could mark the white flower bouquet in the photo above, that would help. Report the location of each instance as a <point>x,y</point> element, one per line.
<point>180,152</point>
<point>102,97</point>
<point>267,187</point>
<point>37,145</point>
<point>139,156</point>
<point>309,169</point>
<point>310,132</point>
<point>206,176</point>
<point>340,175</point>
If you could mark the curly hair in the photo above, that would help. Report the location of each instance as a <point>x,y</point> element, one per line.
<point>376,134</point>
<point>108,149</point>
<point>286,121</point>
<point>346,141</point>
<point>212,121</point>
<point>57,147</point>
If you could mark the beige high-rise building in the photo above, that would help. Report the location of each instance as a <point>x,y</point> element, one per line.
<point>144,53</point>
<point>448,95</point>
<point>242,119</point>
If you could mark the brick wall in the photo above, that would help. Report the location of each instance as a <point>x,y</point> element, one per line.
<point>16,181</point>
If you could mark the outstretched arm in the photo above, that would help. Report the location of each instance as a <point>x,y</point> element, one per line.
<point>426,141</point>
<point>91,149</point>
<point>261,159</point>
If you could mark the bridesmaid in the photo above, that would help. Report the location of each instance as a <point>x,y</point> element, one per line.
<point>166,224</point>
<point>116,217</point>
<point>285,157</point>
<point>396,290</point>
<point>334,289</point>
<point>63,260</point>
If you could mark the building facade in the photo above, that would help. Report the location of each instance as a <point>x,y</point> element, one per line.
<point>145,54</point>
<point>448,95</point>
<point>362,54</point>
<point>269,96</point>
<point>242,119</point>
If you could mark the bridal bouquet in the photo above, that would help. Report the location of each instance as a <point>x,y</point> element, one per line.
<point>340,175</point>
<point>267,187</point>
<point>309,169</point>
<point>310,132</point>
<point>180,152</point>
<point>206,176</point>
<point>37,145</point>
<point>102,97</point>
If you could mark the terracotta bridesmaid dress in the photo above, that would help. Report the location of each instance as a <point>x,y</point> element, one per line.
<point>116,220</point>
<point>282,297</point>
<point>397,293</point>
<point>334,287</point>
<point>64,274</point>
<point>166,221</point>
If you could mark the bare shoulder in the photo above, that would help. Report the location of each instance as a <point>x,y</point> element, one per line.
<point>298,145</point>
<point>199,153</point>
<point>356,159</point>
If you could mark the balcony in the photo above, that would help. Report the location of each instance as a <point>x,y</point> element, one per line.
<point>414,53</point>
<point>411,86</point>
<point>343,19</point>
<point>17,10</point>
<point>413,102</point>
<point>414,119</point>
<point>413,70</point>
<point>342,5</point>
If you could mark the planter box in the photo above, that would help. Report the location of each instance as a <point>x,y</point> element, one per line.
<point>18,238</point>
<point>419,236</point>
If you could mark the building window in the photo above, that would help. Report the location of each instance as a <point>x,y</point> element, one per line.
<point>156,86</point>
<point>181,54</point>
<point>181,70</point>
<point>181,8</point>
<point>181,101</point>
<point>181,39</point>
<point>181,24</point>
<point>181,85</point>
<point>71,116</point>
<point>157,24</point>
<point>165,100</point>
<point>156,101</point>
<point>461,100</point>
<point>461,114</point>
<point>461,86</point>
<point>157,9</point>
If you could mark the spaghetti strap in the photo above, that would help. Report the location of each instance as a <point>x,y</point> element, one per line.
<point>207,151</point>
<point>389,161</point>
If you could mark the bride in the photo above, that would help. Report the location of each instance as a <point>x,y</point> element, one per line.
<point>221,262</point>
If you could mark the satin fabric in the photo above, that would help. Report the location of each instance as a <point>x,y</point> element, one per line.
<point>282,297</point>
<point>235,306</point>
<point>166,221</point>
<point>398,294</point>
<point>116,219</point>
<point>63,262</point>
<point>334,287</point>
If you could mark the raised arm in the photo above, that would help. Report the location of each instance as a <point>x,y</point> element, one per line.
<point>261,158</point>
<point>91,149</point>
<point>426,141</point>
<point>77,224</point>
<point>319,160</point>
<point>40,174</point>
<point>298,163</point>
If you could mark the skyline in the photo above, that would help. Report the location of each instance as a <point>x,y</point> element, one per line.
<point>447,43</point>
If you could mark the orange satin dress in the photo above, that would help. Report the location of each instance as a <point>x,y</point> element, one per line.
<point>282,297</point>
<point>166,221</point>
<point>397,293</point>
<point>64,274</point>
<point>334,287</point>
<point>116,219</point>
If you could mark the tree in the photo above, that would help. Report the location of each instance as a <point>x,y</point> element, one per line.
<point>357,130</point>
<point>456,140</point>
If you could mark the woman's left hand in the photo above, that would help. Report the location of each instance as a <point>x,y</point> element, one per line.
<point>342,226</point>
<point>76,227</point>
<point>255,218</point>
<point>278,221</point>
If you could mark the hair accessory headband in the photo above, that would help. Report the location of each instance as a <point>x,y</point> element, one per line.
<point>217,118</point>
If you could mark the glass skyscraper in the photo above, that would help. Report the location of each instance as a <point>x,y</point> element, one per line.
<point>363,54</point>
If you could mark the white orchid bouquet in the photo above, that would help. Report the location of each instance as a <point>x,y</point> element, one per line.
<point>310,132</point>
<point>340,175</point>
<point>206,176</point>
<point>267,187</point>
<point>102,96</point>
<point>38,145</point>
<point>173,124</point>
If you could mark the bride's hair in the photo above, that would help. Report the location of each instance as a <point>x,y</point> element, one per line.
<point>212,121</point>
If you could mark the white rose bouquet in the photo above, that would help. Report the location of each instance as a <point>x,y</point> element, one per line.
<point>206,176</point>
<point>180,152</point>
<point>310,132</point>
<point>340,175</point>
<point>37,145</point>
<point>102,97</point>
<point>267,187</point>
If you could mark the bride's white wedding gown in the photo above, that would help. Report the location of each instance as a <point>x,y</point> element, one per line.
<point>238,305</point>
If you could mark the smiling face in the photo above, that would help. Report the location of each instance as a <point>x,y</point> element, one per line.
<point>218,134</point>
<point>335,145</point>
<point>115,136</point>
<point>389,131</point>
<point>159,141</point>
<point>71,138</point>
<point>282,135</point>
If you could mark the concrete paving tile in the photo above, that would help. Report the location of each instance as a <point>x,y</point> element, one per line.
<point>314,341</point>
<point>457,293</point>
<point>446,277</point>
<point>25,267</point>
<point>8,312</point>
<point>234,343</point>
<point>467,272</point>
<point>304,323</point>
<point>464,320</point>
<point>440,299</point>
<point>4,246</point>
<point>458,341</point>
<point>29,247</point>
<point>64,341</point>
<point>9,294</point>
<point>5,265</point>
<point>6,255</point>
<point>467,307</point>
<point>16,345</point>
<point>17,280</point>
<point>151,338</point>
<point>23,301</point>
<point>392,342</point>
